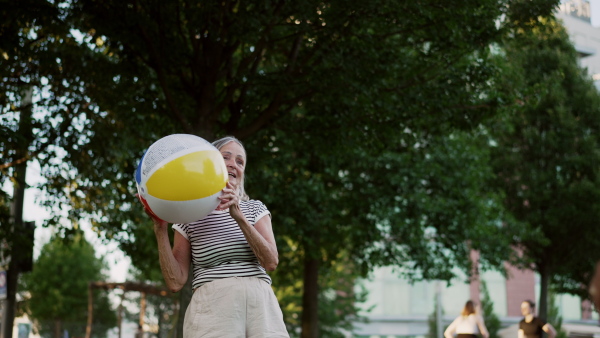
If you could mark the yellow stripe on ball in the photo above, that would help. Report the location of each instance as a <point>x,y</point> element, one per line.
<point>192,176</point>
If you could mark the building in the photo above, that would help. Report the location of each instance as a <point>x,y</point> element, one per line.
<point>582,20</point>
<point>401,309</point>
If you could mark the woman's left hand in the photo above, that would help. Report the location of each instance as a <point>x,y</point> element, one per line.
<point>230,200</point>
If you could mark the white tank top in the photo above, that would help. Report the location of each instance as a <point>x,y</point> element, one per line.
<point>467,325</point>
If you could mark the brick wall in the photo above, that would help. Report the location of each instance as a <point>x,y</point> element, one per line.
<point>520,286</point>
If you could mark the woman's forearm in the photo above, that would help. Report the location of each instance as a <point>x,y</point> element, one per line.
<point>549,329</point>
<point>265,252</point>
<point>173,272</point>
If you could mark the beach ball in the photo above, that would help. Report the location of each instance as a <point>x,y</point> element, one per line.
<point>180,177</point>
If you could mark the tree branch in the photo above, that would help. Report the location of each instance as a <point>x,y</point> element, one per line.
<point>156,64</point>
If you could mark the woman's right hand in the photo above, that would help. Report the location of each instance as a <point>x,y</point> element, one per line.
<point>159,224</point>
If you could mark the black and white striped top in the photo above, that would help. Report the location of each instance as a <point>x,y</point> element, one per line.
<point>219,248</point>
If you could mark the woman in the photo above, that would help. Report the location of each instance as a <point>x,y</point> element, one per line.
<point>595,287</point>
<point>230,249</point>
<point>531,326</point>
<point>467,325</point>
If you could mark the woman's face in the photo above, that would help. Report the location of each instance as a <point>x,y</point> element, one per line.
<point>235,161</point>
<point>525,309</point>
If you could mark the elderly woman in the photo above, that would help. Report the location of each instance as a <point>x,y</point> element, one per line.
<point>230,251</point>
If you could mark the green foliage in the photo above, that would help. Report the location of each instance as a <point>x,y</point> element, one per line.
<point>425,201</point>
<point>339,301</point>
<point>361,119</point>
<point>491,320</point>
<point>4,215</point>
<point>546,156</point>
<point>554,317</point>
<point>58,286</point>
<point>432,321</point>
<point>142,80</point>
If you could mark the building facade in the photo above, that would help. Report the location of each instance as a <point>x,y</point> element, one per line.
<point>582,20</point>
<point>401,309</point>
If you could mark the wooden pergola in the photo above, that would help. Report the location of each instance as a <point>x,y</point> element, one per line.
<point>143,288</point>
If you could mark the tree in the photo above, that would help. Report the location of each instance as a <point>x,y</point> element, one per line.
<point>31,77</point>
<point>554,316</point>
<point>332,98</point>
<point>432,321</point>
<point>441,181</point>
<point>546,158</point>
<point>491,320</point>
<point>58,286</point>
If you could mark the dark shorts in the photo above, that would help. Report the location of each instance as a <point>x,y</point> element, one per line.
<point>466,335</point>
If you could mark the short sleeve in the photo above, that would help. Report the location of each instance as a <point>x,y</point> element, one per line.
<point>541,323</point>
<point>260,211</point>
<point>181,228</point>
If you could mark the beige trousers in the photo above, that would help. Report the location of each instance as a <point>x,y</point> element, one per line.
<point>235,307</point>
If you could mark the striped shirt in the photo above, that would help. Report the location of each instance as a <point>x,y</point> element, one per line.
<point>219,248</point>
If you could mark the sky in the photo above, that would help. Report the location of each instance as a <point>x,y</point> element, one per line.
<point>117,262</point>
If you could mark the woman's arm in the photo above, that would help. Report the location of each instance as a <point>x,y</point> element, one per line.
<point>260,236</point>
<point>175,262</point>
<point>521,334</point>
<point>549,329</point>
<point>449,333</point>
<point>482,328</point>
<point>262,241</point>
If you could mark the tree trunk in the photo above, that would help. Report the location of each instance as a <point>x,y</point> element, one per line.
<point>142,309</point>
<point>90,318</point>
<point>10,302</point>
<point>543,306</point>
<point>310,298</point>
<point>57,328</point>
<point>20,182</point>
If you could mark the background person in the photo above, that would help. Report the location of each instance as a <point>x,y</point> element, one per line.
<point>230,250</point>
<point>468,325</point>
<point>595,287</point>
<point>531,326</point>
